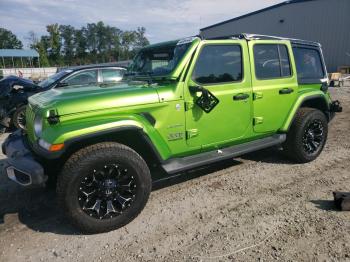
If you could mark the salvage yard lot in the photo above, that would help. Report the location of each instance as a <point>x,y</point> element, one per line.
<point>259,206</point>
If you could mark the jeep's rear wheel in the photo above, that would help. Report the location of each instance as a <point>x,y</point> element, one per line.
<point>307,135</point>
<point>103,187</point>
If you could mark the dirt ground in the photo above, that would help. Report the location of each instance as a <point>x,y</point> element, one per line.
<point>259,207</point>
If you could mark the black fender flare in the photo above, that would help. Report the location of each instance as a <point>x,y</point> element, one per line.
<point>71,145</point>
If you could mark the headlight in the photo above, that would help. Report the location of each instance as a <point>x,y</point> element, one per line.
<point>38,125</point>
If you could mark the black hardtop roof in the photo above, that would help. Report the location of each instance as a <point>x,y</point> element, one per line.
<point>248,37</point>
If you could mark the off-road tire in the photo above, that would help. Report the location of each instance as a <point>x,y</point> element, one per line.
<point>16,121</point>
<point>88,159</point>
<point>294,147</point>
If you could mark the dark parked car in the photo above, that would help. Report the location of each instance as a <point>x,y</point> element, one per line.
<point>14,91</point>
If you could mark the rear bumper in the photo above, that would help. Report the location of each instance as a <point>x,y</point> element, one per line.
<point>21,166</point>
<point>335,107</point>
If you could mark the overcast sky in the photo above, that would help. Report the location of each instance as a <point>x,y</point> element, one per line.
<point>163,19</point>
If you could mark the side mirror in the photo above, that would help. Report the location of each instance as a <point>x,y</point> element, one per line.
<point>207,101</point>
<point>62,84</point>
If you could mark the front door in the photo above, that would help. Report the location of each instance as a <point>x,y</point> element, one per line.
<point>220,70</point>
<point>274,82</point>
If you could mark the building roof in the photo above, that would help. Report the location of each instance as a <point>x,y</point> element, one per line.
<point>257,12</point>
<point>18,53</point>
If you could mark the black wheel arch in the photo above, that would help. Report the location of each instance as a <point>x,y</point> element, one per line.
<point>317,102</point>
<point>131,136</point>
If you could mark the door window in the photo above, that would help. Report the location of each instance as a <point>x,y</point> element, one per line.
<point>271,61</point>
<point>218,64</point>
<point>111,75</point>
<point>83,78</point>
<point>308,62</point>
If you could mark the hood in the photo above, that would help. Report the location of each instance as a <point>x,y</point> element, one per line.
<point>91,98</point>
<point>7,83</point>
<point>18,81</point>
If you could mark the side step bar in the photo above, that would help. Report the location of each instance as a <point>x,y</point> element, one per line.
<point>175,165</point>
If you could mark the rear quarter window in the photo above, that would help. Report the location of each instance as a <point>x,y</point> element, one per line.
<point>309,64</point>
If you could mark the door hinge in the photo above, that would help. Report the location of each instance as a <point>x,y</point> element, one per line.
<point>189,105</point>
<point>258,120</point>
<point>191,133</point>
<point>257,95</point>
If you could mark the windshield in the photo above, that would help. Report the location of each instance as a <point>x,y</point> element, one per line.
<point>159,60</point>
<point>53,78</point>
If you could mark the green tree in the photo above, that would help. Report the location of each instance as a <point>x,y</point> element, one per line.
<point>93,43</point>
<point>32,39</point>
<point>40,46</point>
<point>54,49</point>
<point>140,38</point>
<point>114,43</point>
<point>67,34</point>
<point>8,40</point>
<point>80,46</point>
<point>127,40</point>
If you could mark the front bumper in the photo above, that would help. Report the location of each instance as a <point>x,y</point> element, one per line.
<point>21,166</point>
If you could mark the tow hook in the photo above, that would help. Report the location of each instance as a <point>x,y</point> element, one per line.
<point>336,107</point>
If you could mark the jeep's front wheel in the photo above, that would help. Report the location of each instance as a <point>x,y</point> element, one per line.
<point>19,118</point>
<point>103,187</point>
<point>307,135</point>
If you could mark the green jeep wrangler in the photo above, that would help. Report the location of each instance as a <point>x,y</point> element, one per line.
<point>183,104</point>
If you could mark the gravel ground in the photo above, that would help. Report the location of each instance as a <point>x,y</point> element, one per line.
<point>259,207</point>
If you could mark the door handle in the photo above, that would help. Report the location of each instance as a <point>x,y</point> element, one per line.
<point>240,97</point>
<point>285,91</point>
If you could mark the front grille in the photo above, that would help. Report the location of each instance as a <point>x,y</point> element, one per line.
<point>30,113</point>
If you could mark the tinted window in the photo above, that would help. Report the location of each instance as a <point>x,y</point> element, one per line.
<point>308,63</point>
<point>83,78</point>
<point>271,61</point>
<point>111,75</point>
<point>218,64</point>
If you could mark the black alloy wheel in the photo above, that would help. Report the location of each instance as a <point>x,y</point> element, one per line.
<point>108,192</point>
<point>313,136</point>
<point>103,186</point>
<point>307,135</point>
<point>19,118</point>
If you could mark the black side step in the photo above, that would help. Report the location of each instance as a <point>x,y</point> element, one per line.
<point>175,165</point>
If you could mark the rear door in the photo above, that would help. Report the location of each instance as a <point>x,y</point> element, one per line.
<point>274,82</point>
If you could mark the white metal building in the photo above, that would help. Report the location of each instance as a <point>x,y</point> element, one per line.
<point>323,21</point>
